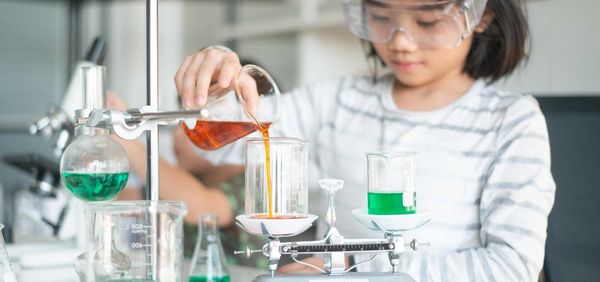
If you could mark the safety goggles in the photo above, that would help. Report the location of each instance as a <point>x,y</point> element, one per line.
<point>429,24</point>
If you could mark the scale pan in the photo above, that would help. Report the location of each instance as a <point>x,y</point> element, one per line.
<point>392,222</point>
<point>275,227</point>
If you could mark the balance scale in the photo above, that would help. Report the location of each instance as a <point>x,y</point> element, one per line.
<point>334,246</point>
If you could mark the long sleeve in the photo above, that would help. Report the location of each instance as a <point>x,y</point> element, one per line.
<point>517,196</point>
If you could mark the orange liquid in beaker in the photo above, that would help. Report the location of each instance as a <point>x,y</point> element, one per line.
<point>212,135</point>
<point>279,216</point>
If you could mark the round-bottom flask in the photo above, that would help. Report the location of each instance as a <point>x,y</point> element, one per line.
<point>94,167</point>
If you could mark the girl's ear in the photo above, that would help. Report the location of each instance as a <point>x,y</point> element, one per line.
<point>485,22</point>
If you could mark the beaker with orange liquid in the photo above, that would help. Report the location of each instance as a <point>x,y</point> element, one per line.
<point>277,188</point>
<point>226,117</point>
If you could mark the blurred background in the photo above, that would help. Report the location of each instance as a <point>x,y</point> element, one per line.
<point>298,42</point>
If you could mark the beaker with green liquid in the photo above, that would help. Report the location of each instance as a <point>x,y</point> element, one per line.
<point>391,183</point>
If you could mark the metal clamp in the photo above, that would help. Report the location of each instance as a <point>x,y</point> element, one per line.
<point>132,123</point>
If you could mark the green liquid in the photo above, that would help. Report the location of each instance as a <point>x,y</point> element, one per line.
<point>198,278</point>
<point>390,203</point>
<point>95,186</point>
<point>131,280</point>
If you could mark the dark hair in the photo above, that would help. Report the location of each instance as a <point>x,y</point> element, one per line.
<point>498,50</point>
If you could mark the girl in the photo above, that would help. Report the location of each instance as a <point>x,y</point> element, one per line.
<point>483,167</point>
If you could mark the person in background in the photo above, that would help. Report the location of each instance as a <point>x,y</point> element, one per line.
<point>483,166</point>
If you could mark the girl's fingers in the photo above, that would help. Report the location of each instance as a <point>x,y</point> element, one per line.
<point>197,72</point>
<point>248,91</point>
<point>189,80</point>
<point>229,69</point>
<point>186,99</point>
<point>204,76</point>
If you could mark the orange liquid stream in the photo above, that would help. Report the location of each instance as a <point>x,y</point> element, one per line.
<point>265,133</point>
<point>264,129</point>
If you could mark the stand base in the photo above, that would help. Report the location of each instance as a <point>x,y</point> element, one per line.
<point>348,277</point>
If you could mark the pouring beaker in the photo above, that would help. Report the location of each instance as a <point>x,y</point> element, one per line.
<point>6,272</point>
<point>226,117</point>
<point>133,241</point>
<point>391,183</point>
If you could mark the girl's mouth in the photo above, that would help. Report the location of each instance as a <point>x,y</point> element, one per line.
<point>406,65</point>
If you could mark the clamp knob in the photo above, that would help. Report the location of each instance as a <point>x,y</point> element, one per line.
<point>414,244</point>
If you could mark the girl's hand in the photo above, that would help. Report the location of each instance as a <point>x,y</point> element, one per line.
<point>212,68</point>
<point>114,102</point>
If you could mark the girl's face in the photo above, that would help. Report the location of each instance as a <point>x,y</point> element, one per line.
<point>423,46</point>
<point>414,67</point>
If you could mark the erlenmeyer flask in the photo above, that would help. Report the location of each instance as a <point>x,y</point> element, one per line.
<point>226,117</point>
<point>6,272</point>
<point>209,263</point>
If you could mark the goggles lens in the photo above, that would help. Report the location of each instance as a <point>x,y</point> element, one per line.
<point>436,25</point>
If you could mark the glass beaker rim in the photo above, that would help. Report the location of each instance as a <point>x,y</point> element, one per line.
<point>266,74</point>
<point>284,140</point>
<point>179,206</point>
<point>391,154</point>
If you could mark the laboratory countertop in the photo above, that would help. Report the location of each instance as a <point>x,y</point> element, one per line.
<point>53,262</point>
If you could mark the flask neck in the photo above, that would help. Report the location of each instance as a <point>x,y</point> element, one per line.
<point>84,130</point>
<point>207,224</point>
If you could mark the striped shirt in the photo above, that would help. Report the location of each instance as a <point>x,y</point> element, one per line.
<point>483,172</point>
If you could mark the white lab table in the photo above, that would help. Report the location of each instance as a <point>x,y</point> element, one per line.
<point>53,262</point>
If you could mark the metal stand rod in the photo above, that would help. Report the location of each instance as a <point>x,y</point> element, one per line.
<point>152,177</point>
<point>152,96</point>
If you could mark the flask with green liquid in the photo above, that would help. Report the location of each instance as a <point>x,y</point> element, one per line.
<point>209,263</point>
<point>94,167</point>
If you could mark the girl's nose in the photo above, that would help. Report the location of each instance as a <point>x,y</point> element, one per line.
<point>402,41</point>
